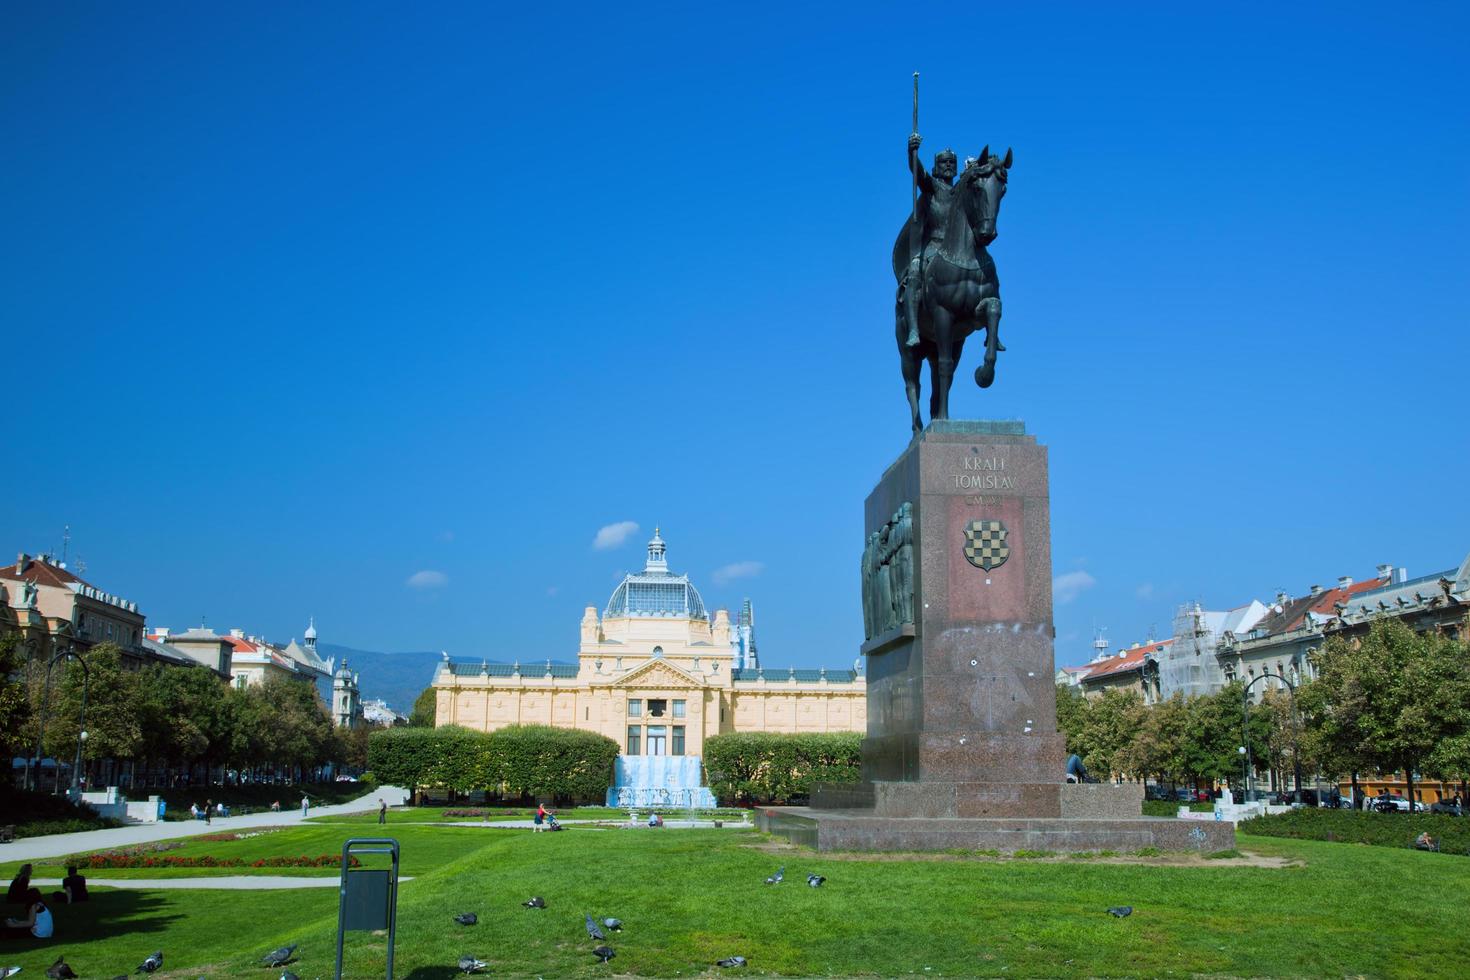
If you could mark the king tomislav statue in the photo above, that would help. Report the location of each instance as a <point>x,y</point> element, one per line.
<point>947,286</point>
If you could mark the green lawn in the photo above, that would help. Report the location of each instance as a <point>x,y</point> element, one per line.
<point>436,814</point>
<point>691,897</point>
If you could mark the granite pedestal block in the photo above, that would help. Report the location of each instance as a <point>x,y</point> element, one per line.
<point>962,748</point>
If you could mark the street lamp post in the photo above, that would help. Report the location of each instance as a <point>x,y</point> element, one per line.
<point>81,719</point>
<point>1245,749</point>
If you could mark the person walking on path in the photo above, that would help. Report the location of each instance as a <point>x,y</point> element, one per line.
<point>208,806</point>
<point>540,823</point>
<point>382,811</point>
<point>305,804</point>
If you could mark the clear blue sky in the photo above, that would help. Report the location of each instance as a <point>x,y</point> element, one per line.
<point>300,303</point>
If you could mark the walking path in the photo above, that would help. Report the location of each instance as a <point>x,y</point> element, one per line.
<point>60,845</point>
<point>232,882</point>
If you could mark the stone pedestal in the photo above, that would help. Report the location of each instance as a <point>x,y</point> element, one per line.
<point>962,746</point>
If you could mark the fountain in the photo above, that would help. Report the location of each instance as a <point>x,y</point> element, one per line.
<point>662,781</point>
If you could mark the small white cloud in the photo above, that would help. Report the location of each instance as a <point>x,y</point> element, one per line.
<point>1145,591</point>
<point>726,574</point>
<point>613,535</point>
<point>427,579</point>
<point>1069,586</point>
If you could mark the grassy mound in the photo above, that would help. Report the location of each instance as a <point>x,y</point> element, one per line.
<point>37,814</point>
<point>1355,827</point>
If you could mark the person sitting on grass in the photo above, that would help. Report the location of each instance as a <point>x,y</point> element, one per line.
<point>73,886</point>
<point>19,885</point>
<point>37,923</point>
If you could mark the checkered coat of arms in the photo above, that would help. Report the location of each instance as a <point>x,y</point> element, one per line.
<point>985,544</point>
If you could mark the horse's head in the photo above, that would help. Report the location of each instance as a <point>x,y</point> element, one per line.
<point>984,184</point>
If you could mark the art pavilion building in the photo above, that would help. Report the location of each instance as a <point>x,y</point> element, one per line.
<point>656,673</point>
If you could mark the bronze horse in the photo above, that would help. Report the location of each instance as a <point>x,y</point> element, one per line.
<point>961,293</point>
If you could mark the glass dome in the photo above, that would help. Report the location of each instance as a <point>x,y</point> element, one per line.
<point>655,592</point>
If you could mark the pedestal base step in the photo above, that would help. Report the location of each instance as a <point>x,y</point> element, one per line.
<point>861,830</point>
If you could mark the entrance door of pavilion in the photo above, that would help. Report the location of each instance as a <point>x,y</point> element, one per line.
<point>658,740</point>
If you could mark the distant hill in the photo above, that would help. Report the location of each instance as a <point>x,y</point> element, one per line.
<point>397,678</point>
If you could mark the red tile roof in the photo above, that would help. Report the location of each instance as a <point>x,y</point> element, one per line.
<point>41,572</point>
<point>1128,660</point>
<point>1294,613</point>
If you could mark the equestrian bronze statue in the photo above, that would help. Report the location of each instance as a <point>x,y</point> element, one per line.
<point>947,287</point>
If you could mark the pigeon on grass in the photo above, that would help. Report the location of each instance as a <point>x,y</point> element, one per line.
<point>1120,911</point>
<point>778,877</point>
<point>469,964</point>
<point>616,925</point>
<point>815,880</point>
<point>730,961</point>
<point>288,975</point>
<point>279,957</point>
<point>604,953</point>
<point>466,918</point>
<point>152,964</point>
<point>536,902</point>
<point>593,929</point>
<point>59,970</point>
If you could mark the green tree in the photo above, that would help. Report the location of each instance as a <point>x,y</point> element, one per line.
<point>424,707</point>
<point>15,707</point>
<point>1214,735</point>
<point>291,727</point>
<point>1392,699</point>
<point>113,728</point>
<point>1112,721</point>
<point>1071,714</point>
<point>1160,744</point>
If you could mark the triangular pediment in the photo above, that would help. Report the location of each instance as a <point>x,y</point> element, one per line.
<point>658,673</point>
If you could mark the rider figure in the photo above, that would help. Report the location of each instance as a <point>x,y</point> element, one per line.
<point>936,192</point>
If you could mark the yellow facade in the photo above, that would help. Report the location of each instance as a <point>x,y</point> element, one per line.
<point>656,675</point>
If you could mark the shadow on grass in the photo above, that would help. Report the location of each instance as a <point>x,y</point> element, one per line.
<point>106,915</point>
<point>434,973</point>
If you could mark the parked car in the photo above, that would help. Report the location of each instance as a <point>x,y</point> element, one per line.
<point>1393,803</point>
<point>1450,807</point>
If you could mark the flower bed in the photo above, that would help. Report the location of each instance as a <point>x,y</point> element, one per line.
<point>122,859</point>
<point>241,835</point>
<point>472,813</point>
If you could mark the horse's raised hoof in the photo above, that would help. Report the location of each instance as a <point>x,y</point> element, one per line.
<point>985,374</point>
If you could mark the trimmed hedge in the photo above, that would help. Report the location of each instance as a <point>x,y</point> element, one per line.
<point>767,767</point>
<point>1358,827</point>
<point>521,760</point>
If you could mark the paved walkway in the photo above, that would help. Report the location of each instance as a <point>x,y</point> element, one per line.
<point>60,845</point>
<point>233,882</point>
